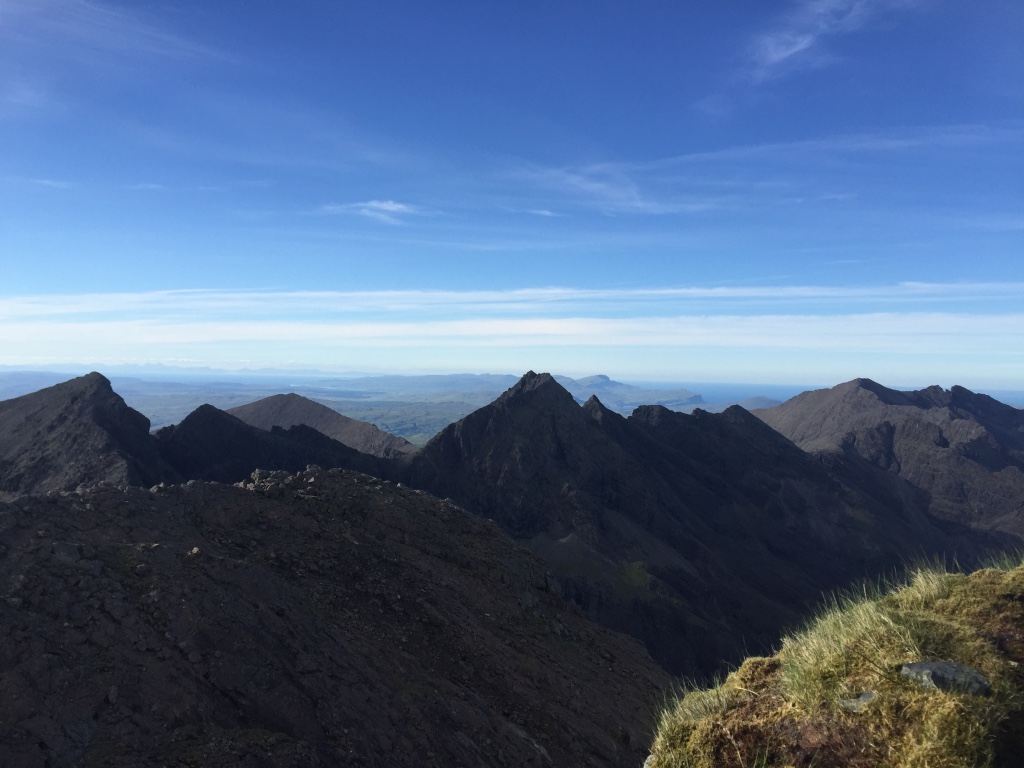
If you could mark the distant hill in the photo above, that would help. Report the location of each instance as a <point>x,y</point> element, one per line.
<point>74,432</point>
<point>291,409</point>
<point>210,444</point>
<point>625,397</point>
<point>81,431</point>
<point>698,534</point>
<point>965,451</point>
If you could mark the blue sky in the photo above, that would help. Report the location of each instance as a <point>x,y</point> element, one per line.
<point>747,191</point>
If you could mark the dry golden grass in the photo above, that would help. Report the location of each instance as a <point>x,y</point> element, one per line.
<point>786,711</point>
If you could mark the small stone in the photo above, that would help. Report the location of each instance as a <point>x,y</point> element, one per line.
<point>112,695</point>
<point>947,676</point>
<point>857,705</point>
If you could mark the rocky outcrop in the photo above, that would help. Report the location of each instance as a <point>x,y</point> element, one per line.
<point>318,619</point>
<point>79,431</point>
<point>288,410</point>
<point>964,452</point>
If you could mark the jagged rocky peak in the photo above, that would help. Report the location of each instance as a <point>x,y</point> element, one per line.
<point>93,391</point>
<point>79,431</point>
<point>595,408</point>
<point>534,392</point>
<point>532,382</point>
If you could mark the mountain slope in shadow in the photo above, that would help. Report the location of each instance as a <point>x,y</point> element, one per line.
<point>319,619</point>
<point>210,444</point>
<point>703,535</point>
<point>963,451</point>
<point>74,432</point>
<point>288,410</point>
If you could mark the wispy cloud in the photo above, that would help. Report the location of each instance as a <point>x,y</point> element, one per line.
<point>387,211</point>
<point>47,48</point>
<point>542,212</point>
<point>831,169</point>
<point>618,188</point>
<point>889,331</point>
<point>55,183</point>
<point>801,39</point>
<point>898,332</point>
<point>537,302</point>
<point>81,29</point>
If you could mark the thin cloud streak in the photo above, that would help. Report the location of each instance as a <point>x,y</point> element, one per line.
<point>55,183</point>
<point>757,175</point>
<point>921,333</point>
<point>538,301</point>
<point>387,211</point>
<point>80,30</point>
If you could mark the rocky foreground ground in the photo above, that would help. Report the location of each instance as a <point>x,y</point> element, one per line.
<point>322,618</point>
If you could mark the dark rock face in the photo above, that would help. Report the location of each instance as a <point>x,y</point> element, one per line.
<point>964,452</point>
<point>703,535</point>
<point>288,410</point>
<point>210,444</point>
<point>320,619</point>
<point>76,432</point>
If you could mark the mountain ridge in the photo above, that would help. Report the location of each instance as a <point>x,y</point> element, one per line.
<point>964,450</point>
<point>287,410</point>
<point>642,517</point>
<point>700,534</point>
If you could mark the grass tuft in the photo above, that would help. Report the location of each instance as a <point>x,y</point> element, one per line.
<point>788,709</point>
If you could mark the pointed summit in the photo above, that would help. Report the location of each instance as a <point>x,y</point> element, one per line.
<point>534,382</point>
<point>531,431</point>
<point>79,431</point>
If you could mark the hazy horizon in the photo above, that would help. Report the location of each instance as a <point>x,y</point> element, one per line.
<point>713,391</point>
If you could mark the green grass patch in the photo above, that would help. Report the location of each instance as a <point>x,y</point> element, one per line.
<point>788,710</point>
